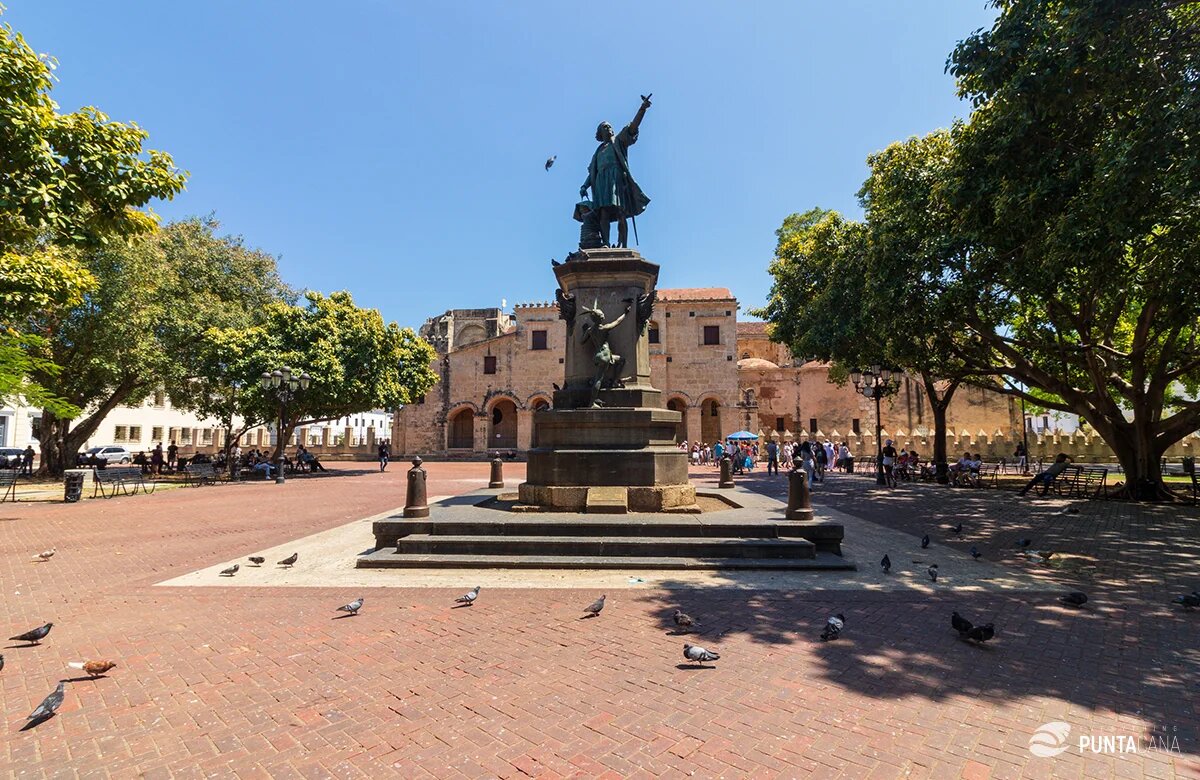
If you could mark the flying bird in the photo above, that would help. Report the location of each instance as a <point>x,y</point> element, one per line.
<point>469,597</point>
<point>932,571</point>
<point>1190,601</point>
<point>925,542</point>
<point>257,560</point>
<point>975,552</point>
<point>232,570</point>
<point>886,564</point>
<point>699,654</point>
<point>550,162</point>
<point>45,555</point>
<point>49,704</point>
<point>960,624</point>
<point>93,668</point>
<point>35,636</point>
<point>981,634</point>
<point>833,627</point>
<point>1074,599</point>
<point>956,530</point>
<point>682,620</point>
<point>353,607</point>
<point>290,561</point>
<point>595,607</point>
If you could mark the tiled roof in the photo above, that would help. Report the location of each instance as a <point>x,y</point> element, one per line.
<point>695,294</point>
<point>751,328</point>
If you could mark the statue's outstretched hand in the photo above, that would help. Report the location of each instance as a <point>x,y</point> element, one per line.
<point>583,191</point>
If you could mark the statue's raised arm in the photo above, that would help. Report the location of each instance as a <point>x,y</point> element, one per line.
<point>641,112</point>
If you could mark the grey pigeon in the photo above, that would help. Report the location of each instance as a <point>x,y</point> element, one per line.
<point>960,624</point>
<point>353,607</point>
<point>34,636</point>
<point>469,597</point>
<point>595,607</point>
<point>975,552</point>
<point>550,162</point>
<point>1,662</point>
<point>554,263</point>
<point>981,634</point>
<point>925,541</point>
<point>49,704</point>
<point>290,561</point>
<point>886,563</point>
<point>232,570</point>
<point>932,571</point>
<point>699,654</point>
<point>1074,599</point>
<point>1190,601</point>
<point>257,560</point>
<point>833,627</point>
<point>682,620</point>
<point>957,529</point>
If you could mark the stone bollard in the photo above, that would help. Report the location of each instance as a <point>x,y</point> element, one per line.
<point>497,480</point>
<point>799,499</point>
<point>726,472</point>
<point>415,501</point>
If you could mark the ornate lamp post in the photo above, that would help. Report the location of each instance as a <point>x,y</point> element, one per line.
<point>876,382</point>
<point>287,388</point>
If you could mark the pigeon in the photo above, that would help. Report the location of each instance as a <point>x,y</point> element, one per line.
<point>886,563</point>
<point>1074,599</point>
<point>595,607</point>
<point>975,552</point>
<point>45,555</point>
<point>932,571</point>
<point>982,634</point>
<point>49,704</point>
<point>1073,509</point>
<point>1,662</point>
<point>1024,543</point>
<point>35,636</point>
<point>699,654</point>
<point>1045,555</point>
<point>956,530</point>
<point>550,162</point>
<point>960,624</point>
<point>555,385</point>
<point>554,263</point>
<point>833,627</point>
<point>682,620</point>
<point>1190,601</point>
<point>232,570</point>
<point>290,561</point>
<point>469,597</point>
<point>93,668</point>
<point>257,560</point>
<point>925,541</point>
<point>353,607</point>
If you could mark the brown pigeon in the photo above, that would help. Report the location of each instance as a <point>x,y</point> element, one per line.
<point>93,668</point>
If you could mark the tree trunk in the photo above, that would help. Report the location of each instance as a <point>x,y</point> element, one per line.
<point>51,429</point>
<point>940,405</point>
<point>1141,460</point>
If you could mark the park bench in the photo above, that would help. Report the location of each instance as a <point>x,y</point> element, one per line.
<point>1195,487</point>
<point>201,474</point>
<point>988,475</point>
<point>8,485</point>
<point>108,482</point>
<point>1081,482</point>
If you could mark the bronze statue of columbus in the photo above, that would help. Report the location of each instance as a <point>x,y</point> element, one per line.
<point>616,197</point>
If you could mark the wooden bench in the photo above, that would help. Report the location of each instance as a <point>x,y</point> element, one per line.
<point>988,475</point>
<point>201,474</point>
<point>124,480</point>
<point>1081,482</point>
<point>8,485</point>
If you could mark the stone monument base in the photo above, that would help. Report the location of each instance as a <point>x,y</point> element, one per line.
<point>679,499</point>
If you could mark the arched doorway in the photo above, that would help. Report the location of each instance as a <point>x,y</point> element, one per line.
<point>681,432</point>
<point>710,421</point>
<point>502,429</point>
<point>461,433</point>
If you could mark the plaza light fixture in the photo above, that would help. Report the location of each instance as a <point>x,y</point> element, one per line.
<point>876,382</point>
<point>287,387</point>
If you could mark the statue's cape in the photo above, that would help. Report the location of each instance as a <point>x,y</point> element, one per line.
<point>637,200</point>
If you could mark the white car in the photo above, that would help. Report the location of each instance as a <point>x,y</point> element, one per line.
<point>113,453</point>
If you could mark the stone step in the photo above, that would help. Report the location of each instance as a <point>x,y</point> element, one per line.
<point>619,546</point>
<point>607,501</point>
<point>387,559</point>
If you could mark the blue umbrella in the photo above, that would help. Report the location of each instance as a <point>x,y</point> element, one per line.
<point>742,436</point>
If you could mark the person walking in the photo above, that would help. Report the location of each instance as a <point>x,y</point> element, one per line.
<point>772,458</point>
<point>385,454</point>
<point>889,463</point>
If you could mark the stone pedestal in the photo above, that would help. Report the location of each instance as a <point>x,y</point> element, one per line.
<point>627,441</point>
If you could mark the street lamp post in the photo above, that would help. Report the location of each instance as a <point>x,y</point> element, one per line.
<point>286,387</point>
<point>876,383</point>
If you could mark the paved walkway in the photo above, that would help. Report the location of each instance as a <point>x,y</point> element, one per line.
<point>267,682</point>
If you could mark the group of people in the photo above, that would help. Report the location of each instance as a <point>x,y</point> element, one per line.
<point>815,458</point>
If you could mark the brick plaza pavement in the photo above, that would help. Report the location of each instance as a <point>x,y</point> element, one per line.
<point>250,682</point>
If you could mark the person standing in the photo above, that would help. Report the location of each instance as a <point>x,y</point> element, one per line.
<point>27,461</point>
<point>156,459</point>
<point>172,457</point>
<point>385,455</point>
<point>1021,458</point>
<point>772,458</point>
<point>889,463</point>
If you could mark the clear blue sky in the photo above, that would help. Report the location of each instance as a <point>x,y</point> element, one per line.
<point>395,149</point>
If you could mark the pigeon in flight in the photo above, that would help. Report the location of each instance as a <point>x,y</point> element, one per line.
<point>49,704</point>
<point>469,597</point>
<point>1190,601</point>
<point>93,668</point>
<point>682,620</point>
<point>550,161</point>
<point>35,636</point>
<point>932,571</point>
<point>257,560</point>
<point>956,530</point>
<point>960,624</point>
<point>45,555</point>
<point>886,564</point>
<point>699,654</point>
<point>232,570</point>
<point>925,542</point>
<point>595,607</point>
<point>353,607</point>
<point>290,561</point>
<point>1024,543</point>
<point>981,634</point>
<point>833,627</point>
<point>1074,599</point>
<point>975,552</point>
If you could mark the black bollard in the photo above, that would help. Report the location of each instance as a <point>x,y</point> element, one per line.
<point>726,472</point>
<point>416,500</point>
<point>497,480</point>
<point>799,499</point>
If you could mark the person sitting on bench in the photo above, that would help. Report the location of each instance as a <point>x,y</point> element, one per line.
<point>1047,477</point>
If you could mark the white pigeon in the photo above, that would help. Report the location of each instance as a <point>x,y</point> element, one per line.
<point>45,555</point>
<point>699,654</point>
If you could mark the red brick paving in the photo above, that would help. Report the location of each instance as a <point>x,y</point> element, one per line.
<point>253,682</point>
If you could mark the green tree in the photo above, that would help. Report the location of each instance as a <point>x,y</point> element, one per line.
<point>1079,168</point>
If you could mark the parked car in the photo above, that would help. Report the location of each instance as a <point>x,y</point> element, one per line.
<point>112,453</point>
<point>10,457</point>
